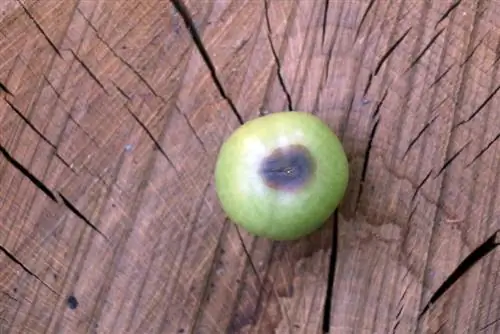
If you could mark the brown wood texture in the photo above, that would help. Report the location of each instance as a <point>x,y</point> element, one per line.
<point>111,119</point>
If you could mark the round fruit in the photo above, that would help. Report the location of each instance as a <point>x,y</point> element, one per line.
<point>280,176</point>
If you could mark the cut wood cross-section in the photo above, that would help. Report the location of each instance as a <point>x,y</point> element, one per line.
<point>111,117</point>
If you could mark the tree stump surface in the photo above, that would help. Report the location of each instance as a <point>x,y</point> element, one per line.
<point>111,116</point>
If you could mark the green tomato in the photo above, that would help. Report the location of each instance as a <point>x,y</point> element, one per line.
<point>280,176</point>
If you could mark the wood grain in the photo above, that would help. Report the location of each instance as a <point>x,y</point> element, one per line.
<point>111,117</point>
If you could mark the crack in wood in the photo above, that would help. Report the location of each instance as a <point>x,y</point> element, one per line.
<point>401,306</point>
<point>478,110</point>
<point>28,122</point>
<point>366,161</point>
<point>393,47</point>
<point>447,12</point>
<point>40,29</point>
<point>419,134</point>
<point>368,84</point>
<point>325,19</point>
<point>80,215</point>
<point>420,185</point>
<point>474,257</point>
<point>40,134</point>
<point>191,127</point>
<point>122,92</point>
<point>89,71</point>
<point>126,63</point>
<point>153,139</point>
<point>363,18</point>
<point>13,258</point>
<point>483,150</point>
<point>441,76</point>
<point>451,159</point>
<point>332,267</point>
<point>190,25</point>
<point>469,56</point>
<point>378,107</point>
<point>205,290</point>
<point>276,57</point>
<point>426,48</point>
<point>488,325</point>
<point>38,183</point>
<point>5,89</point>
<point>8,295</point>
<point>257,308</point>
<point>261,280</point>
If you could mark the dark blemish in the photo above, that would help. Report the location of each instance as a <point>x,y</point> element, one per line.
<point>72,302</point>
<point>181,330</point>
<point>288,168</point>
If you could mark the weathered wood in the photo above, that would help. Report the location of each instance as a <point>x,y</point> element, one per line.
<point>111,116</point>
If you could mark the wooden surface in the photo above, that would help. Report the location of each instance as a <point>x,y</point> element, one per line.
<point>110,121</point>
